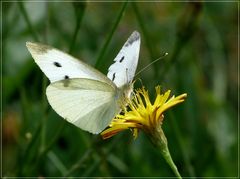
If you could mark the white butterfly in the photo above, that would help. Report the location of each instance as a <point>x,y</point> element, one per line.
<point>81,94</point>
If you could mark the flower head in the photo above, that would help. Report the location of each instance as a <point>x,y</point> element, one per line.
<point>142,114</point>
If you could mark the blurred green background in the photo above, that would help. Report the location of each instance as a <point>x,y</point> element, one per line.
<point>202,42</point>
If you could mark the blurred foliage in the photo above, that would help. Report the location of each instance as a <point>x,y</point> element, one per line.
<point>201,39</point>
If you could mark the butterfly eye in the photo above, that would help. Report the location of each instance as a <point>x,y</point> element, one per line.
<point>66,77</point>
<point>57,64</point>
<point>121,59</point>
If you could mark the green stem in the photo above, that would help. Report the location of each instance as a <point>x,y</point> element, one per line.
<point>104,48</point>
<point>26,17</point>
<point>159,140</point>
<point>167,156</point>
<point>79,12</point>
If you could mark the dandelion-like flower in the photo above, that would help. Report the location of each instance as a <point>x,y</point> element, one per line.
<point>146,116</point>
<point>143,114</point>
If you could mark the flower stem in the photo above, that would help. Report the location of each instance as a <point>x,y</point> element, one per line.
<point>159,140</point>
<point>168,158</point>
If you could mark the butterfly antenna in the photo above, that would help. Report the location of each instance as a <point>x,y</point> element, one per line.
<point>151,64</point>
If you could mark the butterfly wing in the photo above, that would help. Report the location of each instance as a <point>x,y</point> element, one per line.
<point>123,70</point>
<point>88,104</point>
<point>79,93</point>
<point>58,65</point>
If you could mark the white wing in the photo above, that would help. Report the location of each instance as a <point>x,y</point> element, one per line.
<point>123,70</point>
<point>88,104</point>
<point>58,65</point>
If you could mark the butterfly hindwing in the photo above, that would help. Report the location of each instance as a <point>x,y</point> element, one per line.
<point>123,70</point>
<point>86,103</point>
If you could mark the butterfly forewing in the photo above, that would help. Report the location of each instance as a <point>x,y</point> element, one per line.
<point>58,65</point>
<point>123,70</point>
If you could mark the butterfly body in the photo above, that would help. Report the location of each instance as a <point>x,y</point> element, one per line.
<point>81,94</point>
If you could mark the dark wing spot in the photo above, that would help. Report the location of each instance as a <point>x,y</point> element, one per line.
<point>66,77</point>
<point>57,64</point>
<point>121,59</point>
<point>113,78</point>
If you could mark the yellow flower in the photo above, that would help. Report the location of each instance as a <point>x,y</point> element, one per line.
<point>143,114</point>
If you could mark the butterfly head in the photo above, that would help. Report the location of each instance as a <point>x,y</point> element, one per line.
<point>124,94</point>
<point>127,91</point>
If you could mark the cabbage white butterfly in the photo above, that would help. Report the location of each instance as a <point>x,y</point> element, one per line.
<point>81,94</point>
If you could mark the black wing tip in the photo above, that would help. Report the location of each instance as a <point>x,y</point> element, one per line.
<point>37,47</point>
<point>136,33</point>
<point>135,36</point>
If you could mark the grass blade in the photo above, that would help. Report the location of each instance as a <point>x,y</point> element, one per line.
<point>79,12</point>
<point>26,18</point>
<point>104,48</point>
